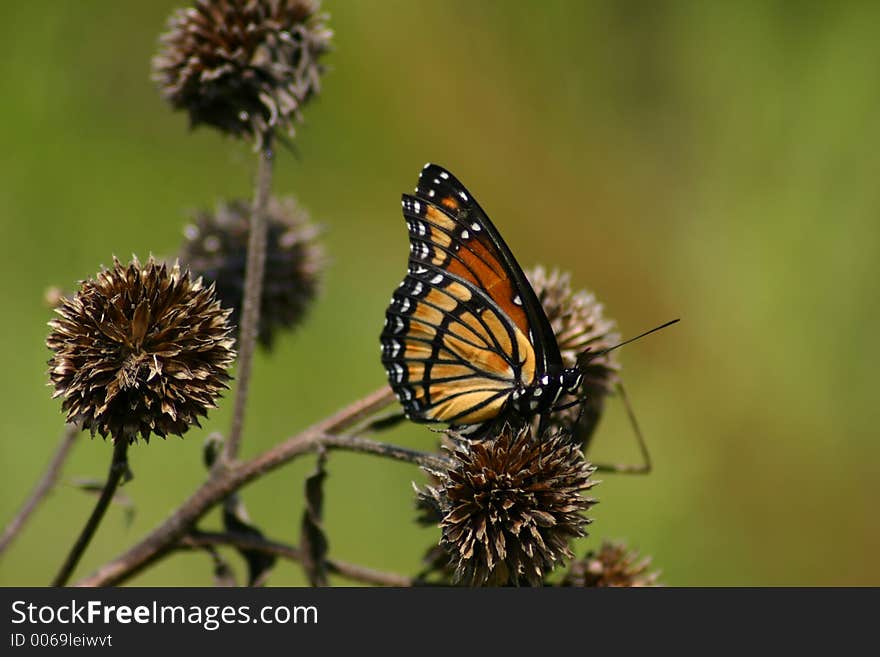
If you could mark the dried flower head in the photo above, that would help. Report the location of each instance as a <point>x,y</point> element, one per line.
<point>578,322</point>
<point>139,350</point>
<point>510,505</point>
<point>245,67</point>
<point>612,565</point>
<point>216,249</point>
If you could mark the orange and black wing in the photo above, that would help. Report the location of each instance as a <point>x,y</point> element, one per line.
<point>464,329</point>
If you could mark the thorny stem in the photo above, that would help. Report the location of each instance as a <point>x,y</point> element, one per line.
<point>118,468</point>
<point>162,539</point>
<point>351,571</point>
<point>47,481</point>
<point>253,292</point>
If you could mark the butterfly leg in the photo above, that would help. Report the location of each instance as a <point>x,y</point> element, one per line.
<point>382,423</point>
<point>643,468</point>
<point>563,407</point>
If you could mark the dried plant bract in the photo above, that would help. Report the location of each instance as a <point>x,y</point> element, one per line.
<point>245,67</point>
<point>140,350</point>
<point>216,249</point>
<point>510,506</point>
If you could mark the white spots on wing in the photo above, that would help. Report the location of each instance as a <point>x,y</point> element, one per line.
<point>464,197</point>
<point>538,392</point>
<point>404,305</point>
<point>465,235</point>
<point>417,288</point>
<point>398,372</point>
<point>437,279</point>
<point>475,227</point>
<point>420,270</point>
<point>430,193</point>
<point>395,348</point>
<point>545,380</point>
<point>517,300</point>
<point>533,404</point>
<point>436,182</point>
<point>407,394</point>
<point>422,230</point>
<point>424,251</point>
<point>515,395</point>
<point>427,164</point>
<point>398,325</point>
<point>417,206</point>
<point>444,175</point>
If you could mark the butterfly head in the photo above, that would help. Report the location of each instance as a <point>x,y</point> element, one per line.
<point>542,394</point>
<point>571,379</point>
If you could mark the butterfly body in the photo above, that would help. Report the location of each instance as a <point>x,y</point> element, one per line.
<point>466,341</point>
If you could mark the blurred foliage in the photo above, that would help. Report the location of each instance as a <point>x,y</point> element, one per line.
<point>714,161</point>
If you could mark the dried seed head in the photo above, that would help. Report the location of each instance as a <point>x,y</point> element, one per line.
<point>612,565</point>
<point>510,505</point>
<point>139,350</point>
<point>216,249</point>
<point>244,67</point>
<point>578,322</point>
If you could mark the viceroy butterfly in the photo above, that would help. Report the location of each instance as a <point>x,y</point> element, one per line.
<point>466,341</point>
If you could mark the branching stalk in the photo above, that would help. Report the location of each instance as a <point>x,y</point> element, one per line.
<point>46,483</point>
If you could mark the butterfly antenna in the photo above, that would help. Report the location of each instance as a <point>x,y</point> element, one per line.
<point>586,356</point>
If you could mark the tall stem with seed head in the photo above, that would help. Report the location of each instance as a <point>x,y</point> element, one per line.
<point>253,292</point>
<point>118,469</point>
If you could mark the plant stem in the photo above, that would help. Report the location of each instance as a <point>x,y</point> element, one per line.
<point>47,481</point>
<point>247,542</point>
<point>253,292</point>
<point>366,446</point>
<point>118,468</point>
<point>164,537</point>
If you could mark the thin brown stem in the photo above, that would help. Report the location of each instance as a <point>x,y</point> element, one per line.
<point>47,481</point>
<point>351,571</point>
<point>386,450</point>
<point>253,293</point>
<point>118,468</point>
<point>164,537</point>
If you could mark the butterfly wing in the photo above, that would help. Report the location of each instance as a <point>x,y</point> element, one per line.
<point>464,328</point>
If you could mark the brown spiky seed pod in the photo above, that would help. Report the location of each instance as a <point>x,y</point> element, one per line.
<point>216,248</point>
<point>613,565</point>
<point>579,324</point>
<point>510,505</point>
<point>140,350</point>
<point>245,67</point>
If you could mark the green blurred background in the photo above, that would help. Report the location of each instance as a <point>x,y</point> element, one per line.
<point>713,161</point>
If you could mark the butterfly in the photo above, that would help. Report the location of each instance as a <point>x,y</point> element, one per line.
<point>466,341</point>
